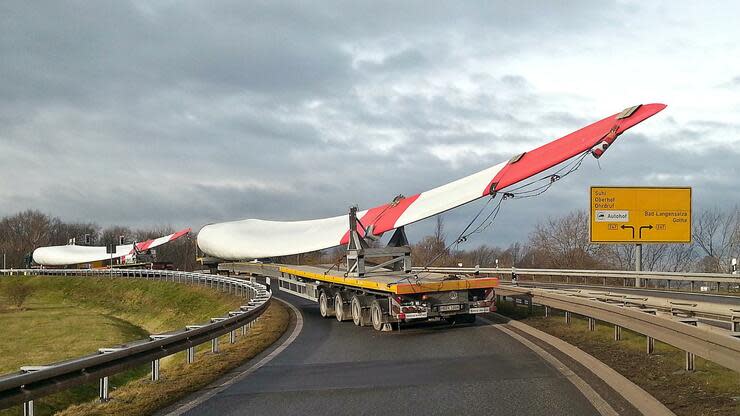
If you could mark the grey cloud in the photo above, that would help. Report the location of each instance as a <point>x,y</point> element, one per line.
<point>403,61</point>
<point>141,113</point>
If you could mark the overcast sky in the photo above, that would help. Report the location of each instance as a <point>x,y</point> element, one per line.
<point>186,113</point>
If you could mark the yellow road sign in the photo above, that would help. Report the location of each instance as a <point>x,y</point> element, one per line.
<point>640,215</point>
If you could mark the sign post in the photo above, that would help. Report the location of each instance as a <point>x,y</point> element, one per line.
<point>110,248</point>
<point>638,264</point>
<point>640,215</point>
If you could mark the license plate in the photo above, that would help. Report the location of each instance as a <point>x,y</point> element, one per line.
<point>478,310</point>
<point>447,308</point>
<point>416,315</point>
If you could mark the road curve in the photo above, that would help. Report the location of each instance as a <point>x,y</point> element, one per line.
<point>337,368</point>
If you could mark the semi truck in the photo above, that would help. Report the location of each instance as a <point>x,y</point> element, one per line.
<point>382,299</point>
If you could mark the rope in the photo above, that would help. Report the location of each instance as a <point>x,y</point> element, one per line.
<point>573,165</point>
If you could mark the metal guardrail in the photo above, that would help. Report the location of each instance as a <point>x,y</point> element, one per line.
<point>679,328</point>
<point>626,275</point>
<point>36,381</point>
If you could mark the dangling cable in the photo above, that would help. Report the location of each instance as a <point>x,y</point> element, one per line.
<point>573,165</point>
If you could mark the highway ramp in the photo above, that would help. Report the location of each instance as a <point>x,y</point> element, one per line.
<point>338,368</point>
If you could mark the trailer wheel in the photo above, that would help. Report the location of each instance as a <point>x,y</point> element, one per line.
<point>325,309</point>
<point>376,315</point>
<point>358,315</point>
<point>339,309</point>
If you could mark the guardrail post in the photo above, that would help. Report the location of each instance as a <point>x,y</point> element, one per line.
<point>103,391</point>
<point>617,333</point>
<point>214,345</point>
<point>191,355</point>
<point>155,370</point>
<point>28,408</point>
<point>735,323</point>
<point>650,345</point>
<point>591,324</point>
<point>567,317</point>
<point>547,312</point>
<point>690,361</point>
<point>232,337</point>
<point>244,330</point>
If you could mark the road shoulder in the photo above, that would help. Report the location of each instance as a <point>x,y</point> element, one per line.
<point>621,394</point>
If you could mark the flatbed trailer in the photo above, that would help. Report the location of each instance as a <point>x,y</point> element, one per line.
<point>382,299</point>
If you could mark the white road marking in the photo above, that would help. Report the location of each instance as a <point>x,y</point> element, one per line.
<point>591,395</point>
<point>223,386</point>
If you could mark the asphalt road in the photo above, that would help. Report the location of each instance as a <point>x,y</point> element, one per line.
<point>337,368</point>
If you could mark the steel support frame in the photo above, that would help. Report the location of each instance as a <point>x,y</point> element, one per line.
<point>358,250</point>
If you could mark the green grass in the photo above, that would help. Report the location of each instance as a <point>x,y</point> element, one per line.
<point>710,390</point>
<point>143,396</point>
<point>67,317</point>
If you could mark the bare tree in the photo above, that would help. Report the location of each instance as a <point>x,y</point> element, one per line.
<point>679,258</point>
<point>21,233</point>
<point>619,256</point>
<point>716,233</point>
<point>181,252</point>
<point>432,250</point>
<point>513,256</point>
<point>439,230</point>
<point>62,232</point>
<point>483,256</point>
<point>656,257</point>
<point>110,234</point>
<point>564,242</point>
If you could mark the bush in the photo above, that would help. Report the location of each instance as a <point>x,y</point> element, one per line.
<point>17,293</point>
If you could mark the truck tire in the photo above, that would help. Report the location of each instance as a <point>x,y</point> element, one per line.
<point>326,309</point>
<point>376,315</point>
<point>341,311</point>
<point>360,313</point>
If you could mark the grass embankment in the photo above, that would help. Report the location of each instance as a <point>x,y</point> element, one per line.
<point>68,317</point>
<point>710,390</point>
<point>142,397</point>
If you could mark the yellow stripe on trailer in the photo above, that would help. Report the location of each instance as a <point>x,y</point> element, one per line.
<point>396,288</point>
<point>445,285</point>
